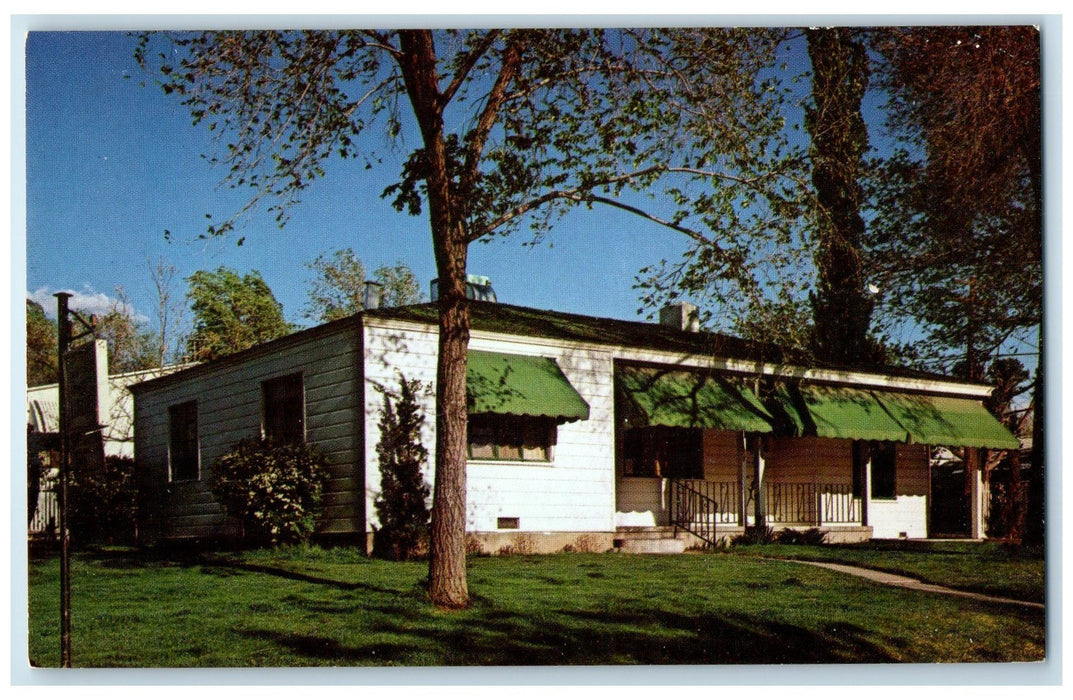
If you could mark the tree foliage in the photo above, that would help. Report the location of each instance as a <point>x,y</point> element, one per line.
<point>171,313</point>
<point>132,346</point>
<point>232,313</point>
<point>401,506</point>
<point>515,127</point>
<point>957,241</point>
<point>41,345</point>
<point>337,289</point>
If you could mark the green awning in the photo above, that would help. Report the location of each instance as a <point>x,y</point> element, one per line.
<point>837,412</point>
<point>521,385</point>
<point>689,399</point>
<point>943,420</point>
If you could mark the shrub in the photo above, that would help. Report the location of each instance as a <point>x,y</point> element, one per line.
<point>474,546</point>
<point>401,507</point>
<point>813,536</point>
<point>521,544</point>
<point>755,534</point>
<point>103,507</point>
<point>274,489</point>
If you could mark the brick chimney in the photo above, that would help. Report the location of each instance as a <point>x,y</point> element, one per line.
<point>682,316</point>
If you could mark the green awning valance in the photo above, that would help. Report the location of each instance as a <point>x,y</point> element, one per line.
<point>521,385</point>
<point>838,412</point>
<point>689,399</point>
<point>943,420</point>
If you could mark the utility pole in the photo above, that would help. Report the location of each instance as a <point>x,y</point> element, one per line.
<point>66,337</point>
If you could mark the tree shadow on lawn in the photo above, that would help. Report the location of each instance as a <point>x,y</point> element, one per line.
<point>566,637</point>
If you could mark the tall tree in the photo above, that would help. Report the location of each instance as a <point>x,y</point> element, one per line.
<point>841,309</point>
<point>337,289</point>
<point>515,127</point>
<point>962,204</point>
<point>41,345</point>
<point>232,313</point>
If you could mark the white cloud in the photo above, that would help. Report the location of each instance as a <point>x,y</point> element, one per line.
<point>86,301</point>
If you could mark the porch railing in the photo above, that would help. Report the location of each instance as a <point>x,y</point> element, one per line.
<point>809,503</point>
<point>726,495</point>
<point>693,510</point>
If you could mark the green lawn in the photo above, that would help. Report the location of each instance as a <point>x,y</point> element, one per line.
<point>311,607</point>
<point>985,567</point>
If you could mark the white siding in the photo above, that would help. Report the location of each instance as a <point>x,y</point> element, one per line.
<point>574,492</point>
<point>907,514</point>
<point>228,395</point>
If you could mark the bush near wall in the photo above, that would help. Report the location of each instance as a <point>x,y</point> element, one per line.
<point>104,506</point>
<point>274,489</point>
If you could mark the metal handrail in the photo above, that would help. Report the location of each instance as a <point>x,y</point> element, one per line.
<point>693,511</point>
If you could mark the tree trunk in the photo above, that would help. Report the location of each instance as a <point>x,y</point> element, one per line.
<point>447,548</point>
<point>841,312</point>
<point>447,553</point>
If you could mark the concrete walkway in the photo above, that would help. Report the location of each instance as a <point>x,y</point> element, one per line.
<point>913,584</point>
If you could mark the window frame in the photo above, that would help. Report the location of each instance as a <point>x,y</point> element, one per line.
<point>271,402</point>
<point>184,410</point>
<point>508,437</point>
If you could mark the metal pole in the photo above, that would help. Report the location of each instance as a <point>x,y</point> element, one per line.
<point>65,470</point>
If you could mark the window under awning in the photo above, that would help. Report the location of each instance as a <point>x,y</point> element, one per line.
<point>836,412</point>
<point>689,399</point>
<point>521,385</point>
<point>948,421</point>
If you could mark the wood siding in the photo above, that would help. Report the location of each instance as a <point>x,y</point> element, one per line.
<point>228,397</point>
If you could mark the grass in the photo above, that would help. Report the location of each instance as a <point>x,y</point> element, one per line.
<point>312,607</point>
<point>985,567</point>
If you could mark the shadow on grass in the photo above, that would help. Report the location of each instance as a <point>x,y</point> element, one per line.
<point>570,637</point>
<point>209,564</point>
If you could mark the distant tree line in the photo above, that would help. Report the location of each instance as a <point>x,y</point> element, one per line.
<point>229,312</point>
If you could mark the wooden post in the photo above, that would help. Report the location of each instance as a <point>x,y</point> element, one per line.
<point>758,480</point>
<point>743,495</point>
<point>975,490</point>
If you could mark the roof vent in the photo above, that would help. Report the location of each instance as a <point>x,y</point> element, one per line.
<point>478,287</point>
<point>682,316</point>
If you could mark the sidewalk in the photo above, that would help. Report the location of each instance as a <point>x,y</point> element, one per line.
<point>913,584</point>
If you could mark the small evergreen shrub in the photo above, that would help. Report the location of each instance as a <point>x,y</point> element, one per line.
<point>274,489</point>
<point>402,506</point>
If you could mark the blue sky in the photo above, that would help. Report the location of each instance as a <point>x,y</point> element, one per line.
<point>112,163</point>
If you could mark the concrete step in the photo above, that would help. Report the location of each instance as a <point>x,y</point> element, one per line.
<point>650,540</point>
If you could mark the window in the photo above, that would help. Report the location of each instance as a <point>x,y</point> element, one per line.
<point>183,457</point>
<point>671,453</point>
<point>883,459</point>
<point>511,438</point>
<point>284,409</point>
